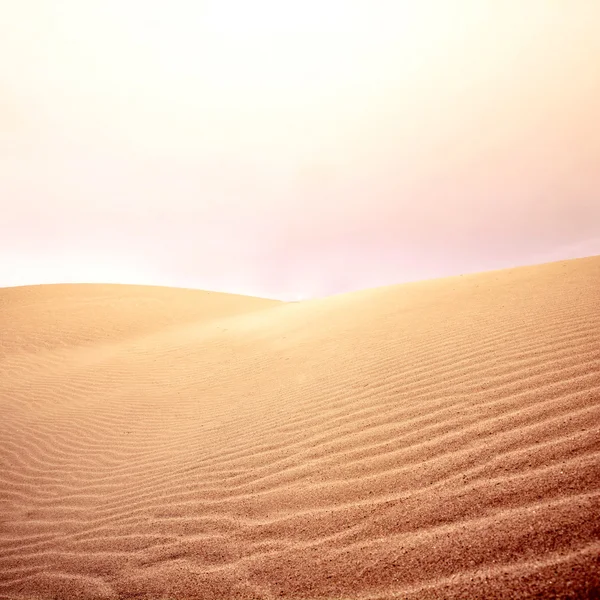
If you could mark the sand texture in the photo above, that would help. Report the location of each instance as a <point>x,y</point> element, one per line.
<point>431,440</point>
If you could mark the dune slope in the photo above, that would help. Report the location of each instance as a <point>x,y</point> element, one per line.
<point>431,440</point>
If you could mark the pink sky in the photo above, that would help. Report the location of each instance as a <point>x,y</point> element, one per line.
<point>289,149</point>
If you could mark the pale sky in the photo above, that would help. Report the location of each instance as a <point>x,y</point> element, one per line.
<point>293,149</point>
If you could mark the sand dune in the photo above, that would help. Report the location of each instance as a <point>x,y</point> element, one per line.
<point>430,440</point>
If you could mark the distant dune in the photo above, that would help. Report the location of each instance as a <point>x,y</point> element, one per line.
<point>438,439</point>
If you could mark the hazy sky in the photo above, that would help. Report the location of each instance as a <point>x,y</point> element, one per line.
<point>295,148</point>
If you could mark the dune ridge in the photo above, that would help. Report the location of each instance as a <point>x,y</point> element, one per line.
<point>438,439</point>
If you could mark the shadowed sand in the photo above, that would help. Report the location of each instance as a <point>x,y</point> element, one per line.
<point>430,440</point>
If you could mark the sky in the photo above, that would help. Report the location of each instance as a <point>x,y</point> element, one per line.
<point>295,148</point>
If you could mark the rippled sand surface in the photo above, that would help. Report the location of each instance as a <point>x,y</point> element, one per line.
<point>438,439</point>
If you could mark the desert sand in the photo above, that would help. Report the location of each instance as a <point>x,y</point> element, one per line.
<point>438,439</point>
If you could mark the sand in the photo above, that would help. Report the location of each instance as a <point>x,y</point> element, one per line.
<point>438,439</point>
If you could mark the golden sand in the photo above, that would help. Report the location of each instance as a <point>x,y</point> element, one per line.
<point>438,439</point>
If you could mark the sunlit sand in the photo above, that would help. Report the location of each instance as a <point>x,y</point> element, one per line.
<point>438,439</point>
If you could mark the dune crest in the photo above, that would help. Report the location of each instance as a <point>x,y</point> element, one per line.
<point>438,439</point>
